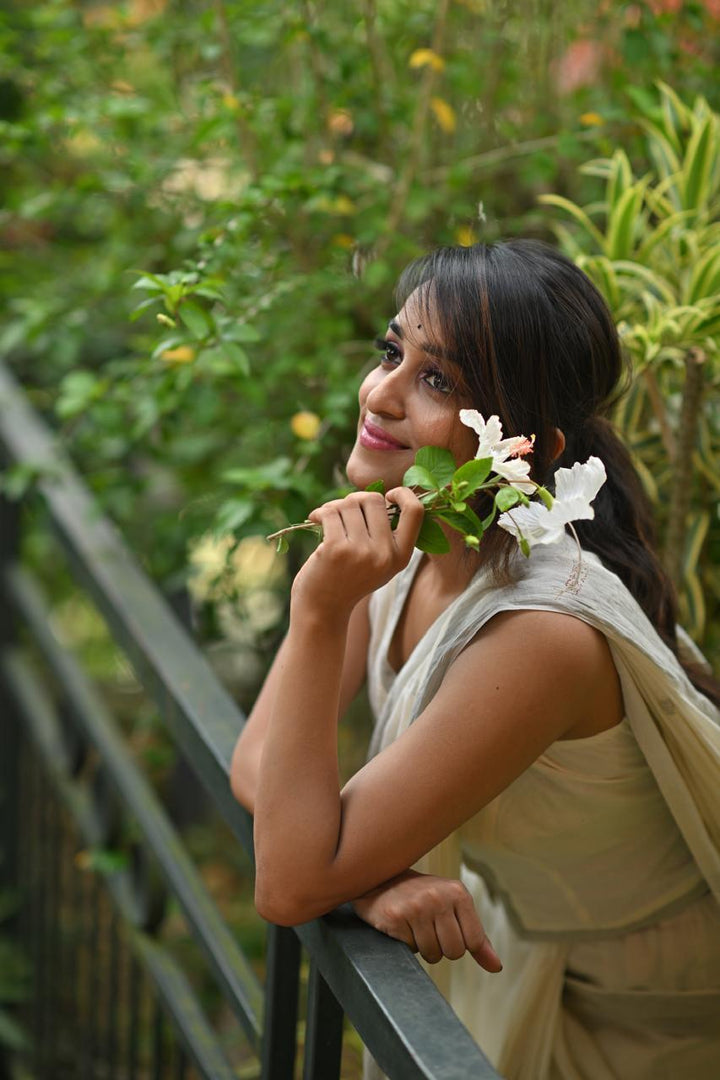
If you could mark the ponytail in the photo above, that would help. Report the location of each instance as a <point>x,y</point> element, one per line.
<point>622,535</point>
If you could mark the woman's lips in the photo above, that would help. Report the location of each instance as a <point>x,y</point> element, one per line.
<point>375,438</point>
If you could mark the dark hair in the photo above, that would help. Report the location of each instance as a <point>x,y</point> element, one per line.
<point>537,345</point>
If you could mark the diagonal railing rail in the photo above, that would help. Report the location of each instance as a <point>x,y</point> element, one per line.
<point>60,738</point>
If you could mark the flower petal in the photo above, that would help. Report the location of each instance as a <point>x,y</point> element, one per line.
<point>534,523</point>
<point>576,488</point>
<point>489,432</point>
<point>516,472</point>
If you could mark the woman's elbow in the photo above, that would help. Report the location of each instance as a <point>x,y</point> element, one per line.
<point>283,907</point>
<point>243,777</point>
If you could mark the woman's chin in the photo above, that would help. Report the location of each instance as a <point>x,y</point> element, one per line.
<point>365,467</point>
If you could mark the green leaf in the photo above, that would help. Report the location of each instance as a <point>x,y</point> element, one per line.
<point>619,180</point>
<point>231,515</point>
<point>377,485</point>
<point>507,497</point>
<point>698,164</point>
<point>236,355</point>
<point>705,278</point>
<point>195,318</point>
<point>438,461</point>
<point>473,473</point>
<point>431,538</point>
<point>623,222</point>
<point>576,212</point>
<point>225,359</point>
<point>465,523</point>
<point>241,332</point>
<point>417,476</point>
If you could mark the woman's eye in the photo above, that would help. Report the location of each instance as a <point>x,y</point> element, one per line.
<point>389,349</point>
<point>436,380</point>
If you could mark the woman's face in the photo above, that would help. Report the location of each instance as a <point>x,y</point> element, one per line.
<point>411,399</point>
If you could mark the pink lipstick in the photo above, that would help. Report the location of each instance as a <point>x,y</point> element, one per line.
<point>375,438</point>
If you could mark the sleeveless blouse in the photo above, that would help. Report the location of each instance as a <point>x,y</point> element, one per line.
<point>597,871</point>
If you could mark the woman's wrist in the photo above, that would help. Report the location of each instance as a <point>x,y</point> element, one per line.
<point>317,617</point>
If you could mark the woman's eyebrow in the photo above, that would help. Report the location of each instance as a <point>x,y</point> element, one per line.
<point>427,346</point>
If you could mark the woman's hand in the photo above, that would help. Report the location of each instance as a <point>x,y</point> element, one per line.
<point>435,916</point>
<point>359,551</point>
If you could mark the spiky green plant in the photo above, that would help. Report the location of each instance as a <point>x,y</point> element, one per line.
<point>652,245</point>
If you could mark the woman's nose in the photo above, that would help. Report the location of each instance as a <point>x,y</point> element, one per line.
<point>385,395</point>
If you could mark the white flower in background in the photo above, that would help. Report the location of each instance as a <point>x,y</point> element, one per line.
<point>505,453</point>
<point>575,490</point>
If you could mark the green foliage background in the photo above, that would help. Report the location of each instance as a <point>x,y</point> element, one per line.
<point>205,205</point>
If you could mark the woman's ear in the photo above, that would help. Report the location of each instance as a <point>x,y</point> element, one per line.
<point>559,444</point>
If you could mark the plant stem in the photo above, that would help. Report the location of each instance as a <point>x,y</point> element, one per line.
<point>417,135</point>
<point>683,467</point>
<point>658,407</point>
<point>500,154</point>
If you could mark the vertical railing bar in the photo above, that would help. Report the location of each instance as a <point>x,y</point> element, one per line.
<point>66,1039</point>
<point>50,917</point>
<point>76,945</point>
<point>324,1030</point>
<point>94,1010</point>
<point>85,962</point>
<point>56,938</point>
<point>158,1024</point>
<point>113,1000</point>
<point>34,904</point>
<point>134,985</point>
<point>180,1064</point>
<point>281,1004</point>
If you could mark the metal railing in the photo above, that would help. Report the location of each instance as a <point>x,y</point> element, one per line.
<point>110,997</point>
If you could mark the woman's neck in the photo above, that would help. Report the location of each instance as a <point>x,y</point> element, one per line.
<point>454,570</point>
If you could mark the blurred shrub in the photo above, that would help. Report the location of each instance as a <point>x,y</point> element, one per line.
<point>191,191</point>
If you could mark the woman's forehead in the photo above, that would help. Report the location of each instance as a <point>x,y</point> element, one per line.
<point>416,317</point>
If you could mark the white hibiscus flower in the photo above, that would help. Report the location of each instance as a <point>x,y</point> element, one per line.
<point>575,490</point>
<point>506,454</point>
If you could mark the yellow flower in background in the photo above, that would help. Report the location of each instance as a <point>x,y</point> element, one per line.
<point>444,114</point>
<point>426,58</point>
<point>340,122</point>
<point>340,205</point>
<point>182,354</point>
<point>465,235</point>
<point>343,205</point>
<point>231,102</point>
<point>343,240</point>
<point>591,119</point>
<point>305,425</point>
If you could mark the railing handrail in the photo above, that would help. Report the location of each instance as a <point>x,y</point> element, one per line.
<point>398,1012</point>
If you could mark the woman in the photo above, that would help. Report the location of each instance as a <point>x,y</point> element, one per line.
<point>537,734</point>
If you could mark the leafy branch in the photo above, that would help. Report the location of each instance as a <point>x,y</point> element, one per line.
<point>445,492</point>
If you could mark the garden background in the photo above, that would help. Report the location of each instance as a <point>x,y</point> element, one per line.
<point>204,205</point>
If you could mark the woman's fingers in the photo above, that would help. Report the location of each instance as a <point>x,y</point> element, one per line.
<point>363,516</point>
<point>426,939</point>
<point>449,935</point>
<point>476,940</point>
<point>411,517</point>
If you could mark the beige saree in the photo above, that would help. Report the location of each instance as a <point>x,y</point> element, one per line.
<point>597,872</point>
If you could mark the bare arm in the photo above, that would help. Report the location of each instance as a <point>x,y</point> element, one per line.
<point>517,688</point>
<point>248,749</point>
